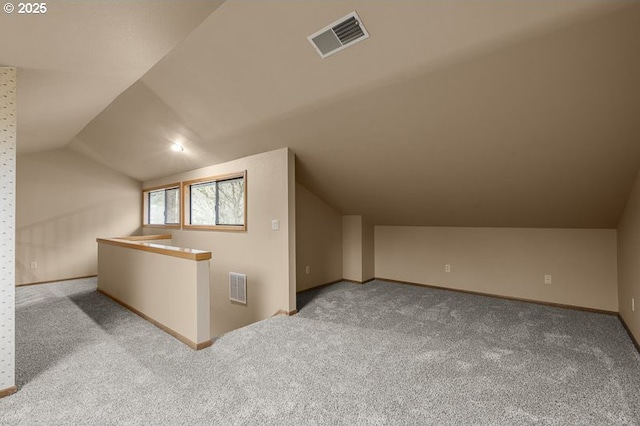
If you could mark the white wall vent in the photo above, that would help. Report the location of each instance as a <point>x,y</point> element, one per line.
<point>343,33</point>
<point>238,287</point>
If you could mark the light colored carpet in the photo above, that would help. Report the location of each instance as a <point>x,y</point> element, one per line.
<point>379,353</point>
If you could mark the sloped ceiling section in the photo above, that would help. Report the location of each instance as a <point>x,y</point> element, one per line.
<point>146,128</point>
<point>502,113</point>
<point>77,57</point>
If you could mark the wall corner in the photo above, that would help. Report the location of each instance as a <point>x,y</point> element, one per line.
<point>291,220</point>
<point>8,122</point>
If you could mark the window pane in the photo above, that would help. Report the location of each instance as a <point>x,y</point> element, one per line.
<point>203,204</point>
<point>231,202</point>
<point>156,208</point>
<point>173,205</point>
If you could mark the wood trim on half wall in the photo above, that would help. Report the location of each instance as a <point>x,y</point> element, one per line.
<point>8,391</point>
<point>180,337</point>
<point>283,312</point>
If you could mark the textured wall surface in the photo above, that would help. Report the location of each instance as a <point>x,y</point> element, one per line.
<point>61,238</point>
<point>260,252</point>
<point>628,265</point>
<point>318,241</point>
<point>509,262</point>
<point>7,225</point>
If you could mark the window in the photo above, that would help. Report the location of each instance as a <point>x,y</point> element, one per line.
<point>217,202</point>
<point>162,206</point>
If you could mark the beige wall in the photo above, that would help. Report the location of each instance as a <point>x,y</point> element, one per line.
<point>261,253</point>
<point>368,250</point>
<point>168,289</point>
<point>358,256</point>
<point>318,240</point>
<point>64,202</point>
<point>629,261</point>
<point>8,124</point>
<point>505,261</point>
<point>352,248</point>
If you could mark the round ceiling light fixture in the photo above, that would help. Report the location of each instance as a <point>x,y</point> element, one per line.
<point>176,147</point>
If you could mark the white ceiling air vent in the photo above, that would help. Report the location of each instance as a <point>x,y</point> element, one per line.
<point>238,287</point>
<point>343,33</point>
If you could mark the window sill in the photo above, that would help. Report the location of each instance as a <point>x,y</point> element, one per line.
<point>225,228</point>
<point>145,225</point>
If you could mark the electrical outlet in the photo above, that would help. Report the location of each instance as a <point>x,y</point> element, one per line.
<point>307,269</point>
<point>447,268</point>
<point>547,279</point>
<point>34,265</point>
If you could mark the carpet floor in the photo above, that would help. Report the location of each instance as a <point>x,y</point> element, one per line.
<point>378,353</point>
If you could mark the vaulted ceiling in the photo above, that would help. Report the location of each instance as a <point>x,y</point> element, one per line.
<point>76,58</point>
<point>460,113</point>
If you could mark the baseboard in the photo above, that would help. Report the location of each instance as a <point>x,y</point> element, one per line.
<point>631,336</point>
<point>334,282</point>
<point>201,345</point>
<point>497,296</point>
<point>180,337</point>
<point>8,391</point>
<point>283,312</point>
<point>320,286</point>
<point>357,282</point>
<point>56,281</point>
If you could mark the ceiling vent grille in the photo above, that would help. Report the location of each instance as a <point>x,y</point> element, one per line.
<point>342,33</point>
<point>238,287</point>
